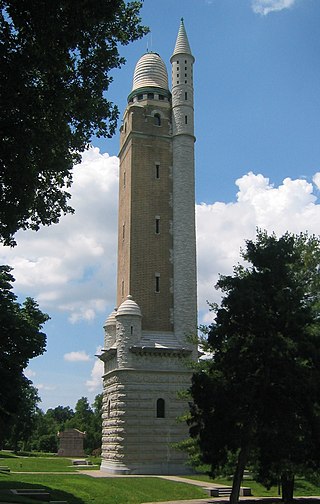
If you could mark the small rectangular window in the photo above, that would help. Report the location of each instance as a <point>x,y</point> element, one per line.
<point>157,279</point>
<point>185,95</point>
<point>157,225</point>
<point>185,119</point>
<point>157,172</point>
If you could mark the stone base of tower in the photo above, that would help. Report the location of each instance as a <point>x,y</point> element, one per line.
<point>141,426</point>
<point>164,468</point>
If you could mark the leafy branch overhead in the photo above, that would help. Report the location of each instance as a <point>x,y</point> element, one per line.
<point>56,59</point>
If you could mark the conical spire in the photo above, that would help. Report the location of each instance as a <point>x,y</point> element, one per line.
<point>182,44</point>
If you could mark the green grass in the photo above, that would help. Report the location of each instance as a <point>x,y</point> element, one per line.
<point>40,464</point>
<point>82,489</point>
<point>303,488</point>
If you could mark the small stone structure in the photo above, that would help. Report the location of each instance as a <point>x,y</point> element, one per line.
<point>71,443</point>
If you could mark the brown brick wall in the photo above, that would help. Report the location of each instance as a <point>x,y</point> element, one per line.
<point>142,252</point>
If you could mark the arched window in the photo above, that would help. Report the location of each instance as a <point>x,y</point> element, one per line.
<point>157,119</point>
<point>160,408</point>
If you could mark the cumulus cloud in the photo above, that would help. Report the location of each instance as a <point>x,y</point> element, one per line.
<point>71,267</point>
<point>66,267</point>
<point>76,356</point>
<point>223,227</point>
<point>264,7</point>
<point>95,383</point>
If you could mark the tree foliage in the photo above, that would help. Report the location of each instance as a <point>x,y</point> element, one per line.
<point>45,426</point>
<point>56,59</point>
<point>21,339</point>
<point>258,397</point>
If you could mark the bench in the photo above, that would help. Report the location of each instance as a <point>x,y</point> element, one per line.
<point>81,462</point>
<point>226,491</point>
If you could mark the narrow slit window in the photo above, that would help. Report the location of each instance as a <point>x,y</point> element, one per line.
<point>157,171</point>
<point>131,330</point>
<point>123,231</point>
<point>124,179</point>
<point>157,222</point>
<point>161,408</point>
<point>157,281</point>
<point>185,95</point>
<point>185,119</point>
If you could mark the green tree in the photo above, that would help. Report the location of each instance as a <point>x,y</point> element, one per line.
<point>96,426</point>
<point>56,59</point>
<point>88,419</point>
<point>258,397</point>
<point>21,339</point>
<point>23,422</point>
<point>60,414</point>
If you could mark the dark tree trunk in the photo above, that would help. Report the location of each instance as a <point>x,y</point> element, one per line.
<point>287,485</point>
<point>238,475</point>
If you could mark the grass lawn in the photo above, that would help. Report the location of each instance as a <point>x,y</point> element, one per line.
<point>82,489</point>
<point>77,488</point>
<point>303,488</point>
<point>39,464</point>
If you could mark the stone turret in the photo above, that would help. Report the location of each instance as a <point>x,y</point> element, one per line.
<point>184,242</point>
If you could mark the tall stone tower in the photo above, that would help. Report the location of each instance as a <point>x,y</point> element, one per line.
<point>147,348</point>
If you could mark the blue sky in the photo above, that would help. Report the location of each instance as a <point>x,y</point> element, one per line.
<point>257,110</point>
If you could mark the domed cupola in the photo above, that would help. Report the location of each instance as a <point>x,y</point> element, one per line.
<point>150,76</point>
<point>111,320</point>
<point>128,307</point>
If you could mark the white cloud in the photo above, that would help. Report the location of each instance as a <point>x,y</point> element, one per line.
<point>95,383</point>
<point>72,267</point>
<point>264,7</point>
<point>67,266</point>
<point>223,227</point>
<point>316,180</point>
<point>29,373</point>
<point>42,386</point>
<point>76,356</point>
